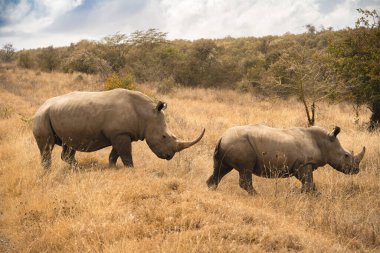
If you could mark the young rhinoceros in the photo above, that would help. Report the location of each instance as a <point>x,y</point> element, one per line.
<point>89,121</point>
<point>279,153</point>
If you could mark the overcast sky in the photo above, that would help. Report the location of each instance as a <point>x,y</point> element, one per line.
<point>40,23</point>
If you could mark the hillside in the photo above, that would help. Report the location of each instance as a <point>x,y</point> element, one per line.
<point>316,65</point>
<point>165,206</point>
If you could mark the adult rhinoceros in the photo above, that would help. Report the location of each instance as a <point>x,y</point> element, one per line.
<point>275,153</point>
<point>89,121</point>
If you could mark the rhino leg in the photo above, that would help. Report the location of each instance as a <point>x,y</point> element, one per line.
<point>114,155</point>
<point>305,175</point>
<point>220,170</point>
<point>123,145</point>
<point>245,181</point>
<point>68,155</point>
<point>45,146</point>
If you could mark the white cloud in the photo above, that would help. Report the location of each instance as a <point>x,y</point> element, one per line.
<point>342,16</point>
<point>17,12</point>
<point>60,22</point>
<point>195,19</point>
<point>27,17</point>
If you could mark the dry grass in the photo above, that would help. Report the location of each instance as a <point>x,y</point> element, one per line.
<point>165,206</point>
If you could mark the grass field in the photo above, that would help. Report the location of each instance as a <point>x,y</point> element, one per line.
<point>165,206</point>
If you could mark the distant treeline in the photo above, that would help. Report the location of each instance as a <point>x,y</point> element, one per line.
<point>315,65</point>
<point>150,57</point>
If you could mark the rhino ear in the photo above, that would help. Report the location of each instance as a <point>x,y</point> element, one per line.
<point>334,133</point>
<point>161,106</point>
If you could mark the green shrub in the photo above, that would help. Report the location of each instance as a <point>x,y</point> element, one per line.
<point>84,62</point>
<point>48,59</point>
<point>7,52</point>
<point>166,85</point>
<point>25,60</point>
<point>243,86</point>
<point>115,81</point>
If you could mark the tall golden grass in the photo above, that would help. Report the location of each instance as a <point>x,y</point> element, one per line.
<point>165,206</point>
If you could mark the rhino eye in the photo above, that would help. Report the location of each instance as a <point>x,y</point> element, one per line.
<point>164,137</point>
<point>346,156</point>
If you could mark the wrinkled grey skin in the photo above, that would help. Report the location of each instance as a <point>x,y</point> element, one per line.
<point>279,153</point>
<point>89,121</point>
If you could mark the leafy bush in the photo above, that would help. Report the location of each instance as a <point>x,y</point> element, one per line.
<point>48,59</point>
<point>7,52</point>
<point>166,85</point>
<point>81,62</point>
<point>243,86</point>
<point>116,81</point>
<point>25,60</point>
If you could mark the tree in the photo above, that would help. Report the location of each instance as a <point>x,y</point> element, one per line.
<point>304,74</point>
<point>203,65</point>
<point>7,52</point>
<point>150,55</point>
<point>113,50</point>
<point>310,28</point>
<point>357,53</point>
<point>150,37</point>
<point>25,60</point>
<point>48,59</point>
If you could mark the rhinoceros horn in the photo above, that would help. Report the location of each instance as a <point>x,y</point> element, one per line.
<point>360,156</point>
<point>181,145</point>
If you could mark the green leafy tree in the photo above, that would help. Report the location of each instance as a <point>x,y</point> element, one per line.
<point>113,49</point>
<point>25,60</point>
<point>145,55</point>
<point>151,37</point>
<point>86,57</point>
<point>170,61</point>
<point>305,74</point>
<point>203,65</point>
<point>7,52</point>
<point>357,53</point>
<point>310,28</point>
<point>48,59</point>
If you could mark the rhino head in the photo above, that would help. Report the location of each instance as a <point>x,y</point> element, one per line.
<point>339,158</point>
<point>160,140</point>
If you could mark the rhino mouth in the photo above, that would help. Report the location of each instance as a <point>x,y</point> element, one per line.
<point>168,157</point>
<point>353,171</point>
<point>165,156</point>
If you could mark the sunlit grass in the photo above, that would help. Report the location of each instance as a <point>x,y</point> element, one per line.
<point>165,205</point>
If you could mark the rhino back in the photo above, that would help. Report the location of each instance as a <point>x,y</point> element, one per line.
<point>87,121</point>
<point>266,147</point>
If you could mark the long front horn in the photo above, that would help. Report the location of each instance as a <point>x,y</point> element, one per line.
<point>181,145</point>
<point>360,156</point>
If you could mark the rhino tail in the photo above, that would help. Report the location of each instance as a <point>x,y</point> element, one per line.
<point>57,140</point>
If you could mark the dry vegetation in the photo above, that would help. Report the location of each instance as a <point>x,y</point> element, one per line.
<point>165,206</point>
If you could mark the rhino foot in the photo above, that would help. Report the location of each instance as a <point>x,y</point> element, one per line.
<point>251,192</point>
<point>45,173</point>
<point>212,187</point>
<point>211,183</point>
<point>313,191</point>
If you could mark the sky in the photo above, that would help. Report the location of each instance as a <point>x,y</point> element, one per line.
<point>41,23</point>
